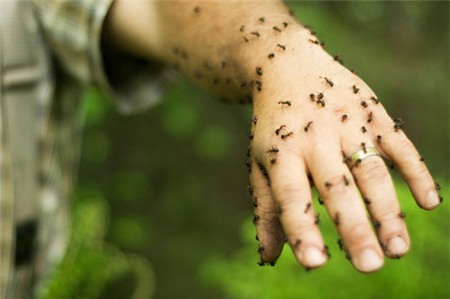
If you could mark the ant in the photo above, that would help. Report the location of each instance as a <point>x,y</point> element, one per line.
<point>273,149</point>
<point>197,9</point>
<point>329,82</point>
<point>326,250</point>
<point>401,215</point>
<point>345,158</point>
<point>312,97</point>
<point>258,85</point>
<point>320,200</point>
<point>271,55</point>
<point>338,59</point>
<point>259,71</point>
<point>341,246</point>
<point>255,219</point>
<point>317,218</point>
<point>367,201</point>
<point>285,103</point>
<point>285,24</point>
<point>379,139</point>
<point>422,158</point>
<point>314,41</point>
<point>273,160</point>
<point>245,39</point>
<point>346,181</point>
<point>277,131</point>
<point>363,129</point>
<point>276,28</point>
<point>398,123</point>
<point>344,117</point>
<point>282,47</point>
<point>255,33</point>
<point>437,186</point>
<point>321,102</point>
<point>284,136</point>
<point>376,224</point>
<point>250,191</point>
<point>363,147</point>
<point>364,104</point>
<point>370,117</point>
<point>242,28</point>
<point>355,89</point>
<point>308,125</point>
<point>255,201</point>
<point>320,96</point>
<point>336,219</point>
<point>375,100</point>
<point>262,19</point>
<point>254,120</point>
<point>328,185</point>
<point>308,206</point>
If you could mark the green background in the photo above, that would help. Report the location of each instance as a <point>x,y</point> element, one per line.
<point>175,176</point>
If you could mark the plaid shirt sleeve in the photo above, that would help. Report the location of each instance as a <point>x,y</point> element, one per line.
<point>73,30</point>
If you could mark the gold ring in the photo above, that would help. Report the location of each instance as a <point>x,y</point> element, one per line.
<point>357,157</point>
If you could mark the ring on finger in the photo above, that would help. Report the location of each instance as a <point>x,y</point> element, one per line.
<point>361,154</point>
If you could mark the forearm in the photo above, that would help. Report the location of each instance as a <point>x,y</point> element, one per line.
<point>220,45</point>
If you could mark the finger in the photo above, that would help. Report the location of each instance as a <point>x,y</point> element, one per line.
<point>268,227</point>
<point>291,190</point>
<point>343,203</point>
<point>397,147</point>
<point>375,184</point>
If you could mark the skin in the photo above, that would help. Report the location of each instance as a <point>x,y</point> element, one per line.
<point>244,51</point>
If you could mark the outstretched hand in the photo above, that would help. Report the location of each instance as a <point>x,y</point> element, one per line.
<point>311,115</point>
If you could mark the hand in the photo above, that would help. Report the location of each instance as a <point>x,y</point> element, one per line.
<point>310,115</point>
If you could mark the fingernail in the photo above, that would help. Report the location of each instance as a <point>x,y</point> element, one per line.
<point>396,246</point>
<point>313,257</point>
<point>368,260</point>
<point>432,199</point>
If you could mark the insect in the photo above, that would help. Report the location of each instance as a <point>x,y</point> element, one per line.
<point>288,103</point>
<point>328,185</point>
<point>281,46</point>
<point>326,250</point>
<point>250,137</point>
<point>255,201</point>
<point>441,199</point>
<point>344,117</point>
<point>346,181</point>
<point>320,96</point>
<point>258,85</point>
<point>375,100</point>
<point>314,41</point>
<point>398,123</point>
<point>262,19</point>
<point>308,125</point>
<point>363,129</point>
<point>254,120</point>
<point>312,97</point>
<point>422,158</point>
<point>241,29</point>
<point>308,206</point>
<point>197,9</point>
<point>263,170</point>
<point>437,186</point>
<point>336,219</point>
<point>285,24</point>
<point>376,224</point>
<point>321,102</point>
<point>402,215</point>
<point>345,158</point>
<point>363,147</point>
<point>341,246</point>
<point>256,238</point>
<point>329,82</point>
<point>379,139</point>
<point>370,117</point>
<point>317,218</point>
<point>255,33</point>
<point>367,201</point>
<point>245,39</point>
<point>277,131</point>
<point>276,28</point>
<point>255,219</point>
<point>273,149</point>
<point>338,59</point>
<point>259,71</point>
<point>364,104</point>
<point>284,136</point>
<point>355,89</point>
<point>273,160</point>
<point>271,55</point>
<point>320,200</point>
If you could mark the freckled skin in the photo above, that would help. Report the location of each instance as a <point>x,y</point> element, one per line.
<point>236,38</point>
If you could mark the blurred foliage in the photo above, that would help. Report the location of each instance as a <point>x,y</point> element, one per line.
<point>176,180</point>
<point>423,273</point>
<point>91,266</point>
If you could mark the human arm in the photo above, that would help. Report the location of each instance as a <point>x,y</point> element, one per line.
<point>292,75</point>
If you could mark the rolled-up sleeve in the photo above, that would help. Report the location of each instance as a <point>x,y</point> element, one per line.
<point>73,29</point>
